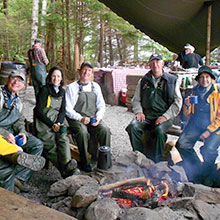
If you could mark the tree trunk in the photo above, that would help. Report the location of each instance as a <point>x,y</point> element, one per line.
<point>69,64</point>
<point>119,48</point>
<point>76,55</point>
<point>5,6</point>
<point>101,43</point>
<point>34,26</point>
<point>63,38</point>
<point>44,12</point>
<point>136,50</point>
<point>111,58</point>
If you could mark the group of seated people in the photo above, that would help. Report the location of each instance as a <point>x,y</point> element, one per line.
<point>82,100</point>
<point>156,102</point>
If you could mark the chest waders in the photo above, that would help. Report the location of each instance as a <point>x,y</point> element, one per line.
<point>38,75</point>
<point>56,144</point>
<point>8,117</point>
<point>86,106</point>
<point>154,106</point>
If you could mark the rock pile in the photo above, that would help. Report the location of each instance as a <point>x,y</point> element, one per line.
<point>79,196</point>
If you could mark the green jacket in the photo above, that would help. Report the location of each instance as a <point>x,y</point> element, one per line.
<point>11,121</point>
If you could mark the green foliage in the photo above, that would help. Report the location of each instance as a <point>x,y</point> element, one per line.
<point>85,16</point>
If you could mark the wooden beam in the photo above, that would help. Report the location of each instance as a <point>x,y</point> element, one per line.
<point>208,42</point>
<point>13,206</point>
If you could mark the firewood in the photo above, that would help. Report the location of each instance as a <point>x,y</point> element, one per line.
<point>121,183</point>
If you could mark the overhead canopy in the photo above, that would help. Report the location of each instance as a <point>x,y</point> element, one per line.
<point>172,23</point>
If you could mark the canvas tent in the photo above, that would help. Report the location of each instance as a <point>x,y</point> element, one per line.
<point>172,23</point>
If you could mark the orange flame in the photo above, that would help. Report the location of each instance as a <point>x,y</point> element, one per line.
<point>167,189</point>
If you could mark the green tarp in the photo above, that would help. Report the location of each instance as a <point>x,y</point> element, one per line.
<point>172,23</point>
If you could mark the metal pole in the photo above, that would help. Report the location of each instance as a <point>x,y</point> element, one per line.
<point>209,24</point>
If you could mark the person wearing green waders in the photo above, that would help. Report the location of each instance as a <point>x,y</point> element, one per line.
<point>49,115</point>
<point>85,108</point>
<point>157,101</point>
<point>38,60</point>
<point>12,125</point>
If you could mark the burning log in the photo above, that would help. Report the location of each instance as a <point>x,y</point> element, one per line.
<point>118,193</point>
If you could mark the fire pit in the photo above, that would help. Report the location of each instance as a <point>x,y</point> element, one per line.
<point>137,192</point>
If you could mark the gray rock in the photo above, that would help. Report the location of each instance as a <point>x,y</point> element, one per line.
<point>142,160</point>
<point>69,185</point>
<point>140,214</point>
<point>168,214</point>
<point>85,195</point>
<point>207,211</point>
<point>200,192</point>
<point>103,209</point>
<point>79,181</point>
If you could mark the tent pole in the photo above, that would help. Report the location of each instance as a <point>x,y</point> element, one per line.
<point>209,23</point>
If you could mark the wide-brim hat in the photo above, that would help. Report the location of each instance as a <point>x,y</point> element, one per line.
<point>18,73</point>
<point>155,56</point>
<point>189,46</point>
<point>205,69</point>
<point>86,64</point>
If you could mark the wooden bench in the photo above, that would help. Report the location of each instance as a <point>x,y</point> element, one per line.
<point>13,206</point>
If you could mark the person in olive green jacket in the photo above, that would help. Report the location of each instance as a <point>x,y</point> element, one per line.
<point>12,123</point>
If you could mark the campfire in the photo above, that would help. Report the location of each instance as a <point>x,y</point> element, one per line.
<point>137,192</point>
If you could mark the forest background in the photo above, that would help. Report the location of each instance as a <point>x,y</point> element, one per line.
<point>73,31</point>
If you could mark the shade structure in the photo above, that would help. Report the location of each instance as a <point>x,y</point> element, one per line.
<point>172,23</point>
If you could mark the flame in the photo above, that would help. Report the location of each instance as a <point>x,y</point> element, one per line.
<point>138,190</point>
<point>164,196</point>
<point>160,192</point>
<point>166,187</point>
<point>150,187</point>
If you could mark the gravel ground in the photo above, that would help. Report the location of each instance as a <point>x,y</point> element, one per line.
<point>116,117</point>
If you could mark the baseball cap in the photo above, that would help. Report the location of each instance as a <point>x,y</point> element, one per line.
<point>205,69</point>
<point>18,73</point>
<point>86,64</point>
<point>155,56</point>
<point>37,40</point>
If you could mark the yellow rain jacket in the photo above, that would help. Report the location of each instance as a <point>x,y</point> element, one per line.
<point>214,102</point>
<point>6,148</point>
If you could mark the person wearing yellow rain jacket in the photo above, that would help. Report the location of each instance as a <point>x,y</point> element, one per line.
<point>11,155</point>
<point>203,124</point>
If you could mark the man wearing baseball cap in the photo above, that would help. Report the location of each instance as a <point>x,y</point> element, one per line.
<point>203,124</point>
<point>191,59</point>
<point>156,102</point>
<point>12,124</point>
<point>85,108</point>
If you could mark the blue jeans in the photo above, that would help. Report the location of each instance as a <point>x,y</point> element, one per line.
<point>194,168</point>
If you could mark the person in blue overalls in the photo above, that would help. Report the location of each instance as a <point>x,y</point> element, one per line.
<point>84,100</point>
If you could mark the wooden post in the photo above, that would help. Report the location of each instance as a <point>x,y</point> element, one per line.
<point>209,23</point>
